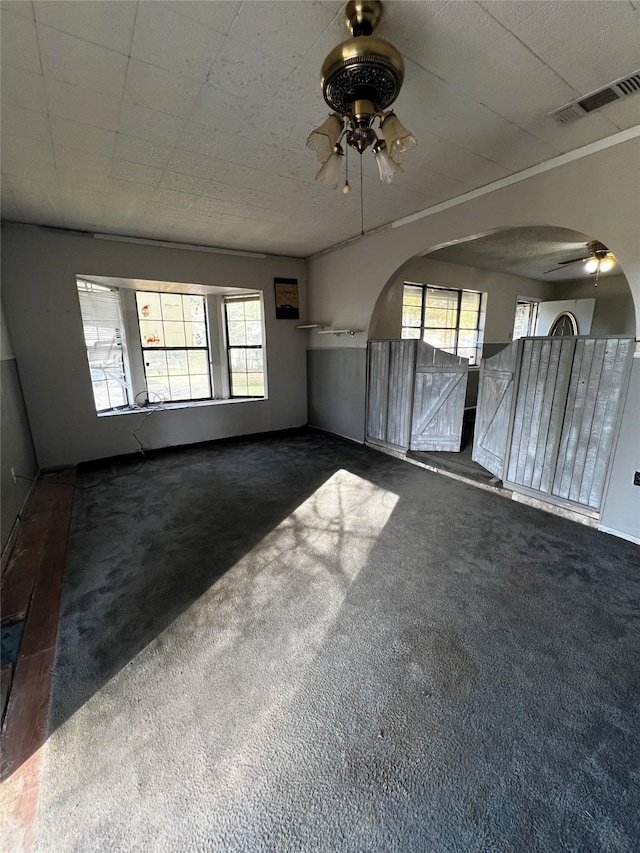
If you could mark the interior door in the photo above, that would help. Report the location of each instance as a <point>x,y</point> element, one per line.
<point>438,400</point>
<point>390,392</point>
<point>493,412</point>
<point>566,412</point>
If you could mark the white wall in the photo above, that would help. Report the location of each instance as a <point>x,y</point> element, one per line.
<point>596,194</point>
<point>582,310</point>
<point>43,315</point>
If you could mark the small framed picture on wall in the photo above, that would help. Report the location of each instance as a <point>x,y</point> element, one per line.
<point>287,305</point>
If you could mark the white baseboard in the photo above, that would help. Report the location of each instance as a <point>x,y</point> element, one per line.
<point>619,534</point>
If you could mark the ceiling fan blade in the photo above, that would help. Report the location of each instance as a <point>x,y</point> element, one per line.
<point>555,269</point>
<point>574,261</point>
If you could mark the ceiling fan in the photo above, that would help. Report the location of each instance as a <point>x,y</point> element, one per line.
<point>598,259</point>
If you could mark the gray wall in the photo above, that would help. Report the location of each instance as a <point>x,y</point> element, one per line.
<point>16,443</point>
<point>336,381</point>
<point>621,512</point>
<point>614,312</point>
<point>43,315</point>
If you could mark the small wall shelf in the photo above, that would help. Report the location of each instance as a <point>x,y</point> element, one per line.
<point>312,326</point>
<point>351,332</point>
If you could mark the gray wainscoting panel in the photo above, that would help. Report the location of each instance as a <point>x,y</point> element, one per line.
<point>489,350</point>
<point>17,447</point>
<point>336,381</point>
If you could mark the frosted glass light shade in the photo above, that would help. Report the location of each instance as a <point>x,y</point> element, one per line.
<point>606,264</point>
<point>386,167</point>
<point>323,139</point>
<point>592,264</point>
<point>398,139</point>
<point>329,172</point>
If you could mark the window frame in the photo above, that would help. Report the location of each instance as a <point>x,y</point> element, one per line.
<point>459,292</point>
<point>206,347</point>
<point>533,317</point>
<point>121,347</point>
<point>133,351</point>
<point>226,300</point>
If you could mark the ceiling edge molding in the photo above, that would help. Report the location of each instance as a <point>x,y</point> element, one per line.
<point>147,241</point>
<point>546,166</point>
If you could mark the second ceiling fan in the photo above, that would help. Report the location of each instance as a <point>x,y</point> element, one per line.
<point>598,259</point>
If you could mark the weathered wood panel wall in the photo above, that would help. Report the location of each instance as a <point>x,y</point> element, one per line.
<point>415,396</point>
<point>391,366</point>
<point>539,411</point>
<point>493,412</point>
<point>568,395</point>
<point>598,379</point>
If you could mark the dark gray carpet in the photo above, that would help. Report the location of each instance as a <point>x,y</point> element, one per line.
<point>300,644</point>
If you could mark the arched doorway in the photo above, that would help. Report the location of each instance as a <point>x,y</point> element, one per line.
<point>465,298</point>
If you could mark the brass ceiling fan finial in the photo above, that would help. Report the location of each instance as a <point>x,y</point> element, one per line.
<point>363,16</point>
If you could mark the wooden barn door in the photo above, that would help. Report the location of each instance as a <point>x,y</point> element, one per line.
<point>569,396</point>
<point>539,411</point>
<point>493,412</point>
<point>599,377</point>
<point>438,402</point>
<point>390,368</point>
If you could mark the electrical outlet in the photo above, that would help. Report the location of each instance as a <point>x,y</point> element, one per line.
<point>13,475</point>
<point>636,478</point>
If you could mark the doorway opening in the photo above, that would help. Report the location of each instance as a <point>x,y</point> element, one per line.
<point>532,286</point>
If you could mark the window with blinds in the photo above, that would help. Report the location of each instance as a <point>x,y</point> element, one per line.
<point>243,316</point>
<point>102,325</point>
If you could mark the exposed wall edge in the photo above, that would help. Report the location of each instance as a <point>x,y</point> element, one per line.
<point>613,532</point>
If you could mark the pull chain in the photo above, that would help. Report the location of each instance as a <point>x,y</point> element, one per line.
<point>347,186</point>
<point>361,202</point>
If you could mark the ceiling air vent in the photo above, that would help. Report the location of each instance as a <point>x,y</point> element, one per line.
<point>622,88</point>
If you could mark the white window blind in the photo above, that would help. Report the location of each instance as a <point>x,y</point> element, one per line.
<point>102,325</point>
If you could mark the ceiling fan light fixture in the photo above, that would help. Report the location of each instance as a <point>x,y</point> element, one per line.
<point>398,139</point>
<point>324,139</point>
<point>591,265</point>
<point>387,168</point>
<point>329,172</point>
<point>607,264</point>
<point>360,79</point>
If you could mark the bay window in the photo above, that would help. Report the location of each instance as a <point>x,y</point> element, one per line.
<point>170,346</point>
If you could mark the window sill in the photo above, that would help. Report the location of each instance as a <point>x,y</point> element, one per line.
<point>165,407</point>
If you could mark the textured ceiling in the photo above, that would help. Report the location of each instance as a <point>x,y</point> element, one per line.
<point>529,252</point>
<point>187,121</point>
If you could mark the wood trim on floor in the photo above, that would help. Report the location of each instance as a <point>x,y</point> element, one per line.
<point>32,587</point>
